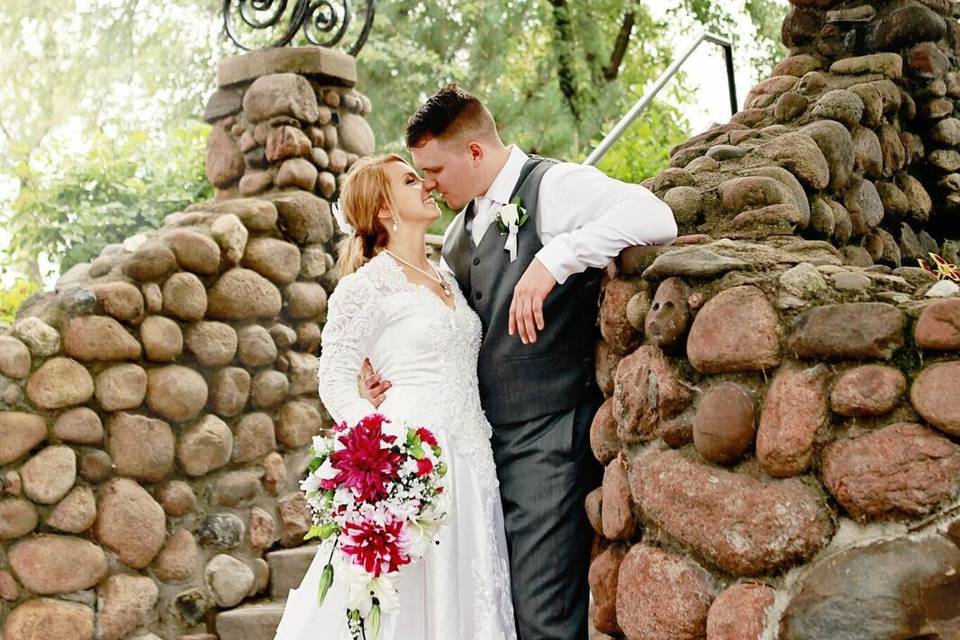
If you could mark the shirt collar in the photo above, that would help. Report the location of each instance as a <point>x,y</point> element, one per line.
<point>502,186</point>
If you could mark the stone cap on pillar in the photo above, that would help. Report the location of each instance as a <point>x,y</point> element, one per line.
<point>328,65</point>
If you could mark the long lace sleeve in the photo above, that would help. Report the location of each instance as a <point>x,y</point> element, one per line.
<point>347,336</point>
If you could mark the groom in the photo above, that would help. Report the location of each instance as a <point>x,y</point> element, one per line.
<point>535,285</point>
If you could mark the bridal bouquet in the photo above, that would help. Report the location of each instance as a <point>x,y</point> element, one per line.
<point>377,495</point>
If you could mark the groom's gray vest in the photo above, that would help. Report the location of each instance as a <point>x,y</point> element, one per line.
<point>520,382</point>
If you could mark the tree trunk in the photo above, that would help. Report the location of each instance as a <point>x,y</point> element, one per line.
<point>565,46</point>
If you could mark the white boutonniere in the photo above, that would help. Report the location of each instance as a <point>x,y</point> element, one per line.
<point>510,217</point>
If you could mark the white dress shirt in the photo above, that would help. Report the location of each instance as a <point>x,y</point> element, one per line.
<point>586,218</point>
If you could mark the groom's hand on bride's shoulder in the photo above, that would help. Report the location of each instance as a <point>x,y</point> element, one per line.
<point>372,386</point>
<point>526,309</point>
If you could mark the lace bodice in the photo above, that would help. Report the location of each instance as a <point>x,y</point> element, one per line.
<point>427,351</point>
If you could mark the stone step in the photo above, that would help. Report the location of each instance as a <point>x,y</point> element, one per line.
<point>260,621</point>
<point>252,622</point>
<point>287,568</point>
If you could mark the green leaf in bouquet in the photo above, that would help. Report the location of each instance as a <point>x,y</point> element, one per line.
<point>328,530</point>
<point>316,463</point>
<point>442,469</point>
<point>417,452</point>
<point>313,532</point>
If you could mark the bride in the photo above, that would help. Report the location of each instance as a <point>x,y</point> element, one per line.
<point>412,322</point>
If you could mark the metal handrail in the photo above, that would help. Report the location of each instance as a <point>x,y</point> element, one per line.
<point>648,97</point>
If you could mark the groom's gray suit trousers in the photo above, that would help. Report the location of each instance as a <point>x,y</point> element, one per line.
<point>546,469</point>
<point>541,399</point>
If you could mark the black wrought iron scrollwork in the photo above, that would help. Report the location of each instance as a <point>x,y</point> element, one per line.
<point>323,23</point>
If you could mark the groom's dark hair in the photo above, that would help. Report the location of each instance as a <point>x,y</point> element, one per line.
<point>449,113</point>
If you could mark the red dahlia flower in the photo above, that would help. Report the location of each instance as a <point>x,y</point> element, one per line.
<point>363,464</point>
<point>375,421</point>
<point>373,546</point>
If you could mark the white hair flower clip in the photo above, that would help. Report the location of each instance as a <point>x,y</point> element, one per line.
<point>341,219</point>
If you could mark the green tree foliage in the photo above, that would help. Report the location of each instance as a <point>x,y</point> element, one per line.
<point>85,75</point>
<point>643,150</point>
<point>118,190</point>
<point>98,95</point>
<point>12,298</point>
<point>767,17</point>
<point>556,74</point>
<point>552,71</point>
<point>102,64</point>
<point>763,44</point>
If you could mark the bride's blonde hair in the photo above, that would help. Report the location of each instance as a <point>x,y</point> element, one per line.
<point>365,191</point>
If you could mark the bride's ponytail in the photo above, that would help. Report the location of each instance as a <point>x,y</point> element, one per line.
<point>352,255</point>
<point>364,192</point>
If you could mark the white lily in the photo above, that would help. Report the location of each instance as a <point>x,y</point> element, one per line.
<point>363,589</point>
<point>419,534</point>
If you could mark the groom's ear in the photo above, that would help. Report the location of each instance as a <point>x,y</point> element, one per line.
<point>476,151</point>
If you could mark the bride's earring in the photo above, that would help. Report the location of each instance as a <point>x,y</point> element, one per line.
<point>396,225</point>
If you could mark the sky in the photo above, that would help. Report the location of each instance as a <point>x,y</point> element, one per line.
<point>706,73</point>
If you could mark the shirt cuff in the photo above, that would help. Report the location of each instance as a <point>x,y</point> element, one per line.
<point>558,259</point>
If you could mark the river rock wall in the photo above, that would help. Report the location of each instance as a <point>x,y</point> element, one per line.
<point>781,430</point>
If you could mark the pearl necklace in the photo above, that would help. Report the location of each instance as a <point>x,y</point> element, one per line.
<point>435,276</point>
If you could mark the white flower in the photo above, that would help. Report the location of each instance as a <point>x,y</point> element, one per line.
<point>342,496</point>
<point>341,219</point>
<point>326,471</point>
<point>310,483</point>
<point>363,589</point>
<point>409,467</point>
<point>322,446</point>
<point>418,535</point>
<point>509,214</point>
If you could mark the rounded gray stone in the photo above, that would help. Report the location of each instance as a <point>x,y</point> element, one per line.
<point>49,475</point>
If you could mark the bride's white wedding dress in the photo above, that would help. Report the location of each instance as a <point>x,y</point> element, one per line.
<point>428,351</point>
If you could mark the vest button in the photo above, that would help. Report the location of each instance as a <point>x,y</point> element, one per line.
<point>478,295</point>
<point>476,261</point>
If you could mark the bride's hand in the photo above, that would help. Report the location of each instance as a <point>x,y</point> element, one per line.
<point>372,386</point>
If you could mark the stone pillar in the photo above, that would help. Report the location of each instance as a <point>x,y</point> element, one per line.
<point>286,119</point>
